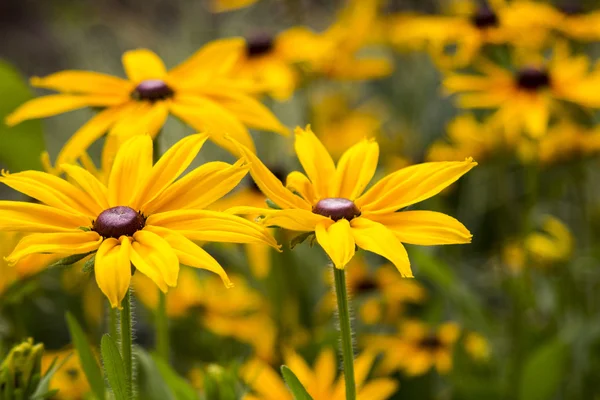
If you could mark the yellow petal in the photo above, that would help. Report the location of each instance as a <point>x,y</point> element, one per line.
<point>263,380</point>
<point>425,228</point>
<point>337,241</point>
<point>131,167</point>
<point>54,104</point>
<point>142,64</point>
<point>270,185</point>
<point>191,254</point>
<point>84,82</point>
<point>376,238</point>
<point>449,332</point>
<point>301,369</point>
<point>218,6</point>
<point>200,188</point>
<point>537,117</point>
<point>356,169</point>
<point>316,161</point>
<point>113,269</point>
<point>53,191</point>
<point>411,185</point>
<point>325,369</point>
<point>443,362</point>
<point>155,258</point>
<point>213,226</point>
<point>19,216</point>
<point>299,183</point>
<point>378,389</point>
<point>64,243</point>
<point>89,183</point>
<point>296,220</point>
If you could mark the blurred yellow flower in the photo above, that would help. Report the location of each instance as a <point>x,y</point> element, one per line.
<point>142,216</point>
<point>331,203</point>
<point>201,91</point>
<point>70,379</point>
<point>417,348</point>
<point>266,384</point>
<point>477,346</point>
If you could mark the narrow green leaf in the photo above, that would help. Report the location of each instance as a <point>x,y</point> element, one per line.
<point>543,371</point>
<point>86,356</point>
<point>113,365</point>
<point>300,239</point>
<point>152,385</point>
<point>180,387</point>
<point>88,267</point>
<point>70,260</point>
<point>294,384</point>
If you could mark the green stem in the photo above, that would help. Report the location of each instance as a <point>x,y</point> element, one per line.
<point>162,327</point>
<point>346,332</point>
<point>127,341</point>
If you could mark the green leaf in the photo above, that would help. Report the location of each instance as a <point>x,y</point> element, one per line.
<point>543,371</point>
<point>70,260</point>
<point>272,204</point>
<point>88,267</point>
<point>180,387</point>
<point>113,365</point>
<point>152,384</point>
<point>294,384</point>
<point>22,145</point>
<point>300,239</point>
<point>42,390</point>
<point>86,356</point>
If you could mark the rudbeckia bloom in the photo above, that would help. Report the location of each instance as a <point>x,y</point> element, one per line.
<point>524,98</point>
<point>200,91</point>
<point>142,217</point>
<point>330,201</point>
<point>319,381</point>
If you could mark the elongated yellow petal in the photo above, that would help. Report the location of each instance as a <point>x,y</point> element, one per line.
<point>299,183</point>
<point>378,389</point>
<point>55,104</point>
<point>296,220</point>
<point>131,167</point>
<point>213,226</point>
<point>65,243</point>
<point>142,64</point>
<point>411,185</point>
<point>337,241</point>
<point>301,368</point>
<point>356,169</point>
<point>88,134</point>
<point>18,216</point>
<point>200,188</point>
<point>376,238</point>
<point>325,369</point>
<point>191,254</point>
<point>218,6</point>
<point>89,183</point>
<point>208,116</point>
<point>270,185</point>
<point>53,191</point>
<point>154,252</point>
<point>168,168</point>
<point>73,81</point>
<point>316,161</point>
<point>264,380</point>
<point>144,119</point>
<point>112,268</point>
<point>424,227</point>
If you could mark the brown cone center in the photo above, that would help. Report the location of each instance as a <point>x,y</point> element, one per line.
<point>336,208</point>
<point>152,90</point>
<point>531,78</point>
<point>119,221</point>
<point>259,45</point>
<point>484,18</point>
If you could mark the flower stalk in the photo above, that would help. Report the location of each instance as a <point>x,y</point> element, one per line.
<point>162,327</point>
<point>127,341</point>
<point>345,331</point>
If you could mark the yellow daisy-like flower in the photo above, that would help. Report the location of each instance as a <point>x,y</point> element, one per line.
<point>524,98</point>
<point>142,217</point>
<point>319,381</point>
<point>417,348</point>
<point>330,201</point>
<point>70,379</point>
<point>201,91</point>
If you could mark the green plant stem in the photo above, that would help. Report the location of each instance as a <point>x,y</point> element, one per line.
<point>162,327</point>
<point>112,322</point>
<point>346,332</point>
<point>127,341</point>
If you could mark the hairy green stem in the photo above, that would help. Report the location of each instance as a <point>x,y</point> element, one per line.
<point>162,327</point>
<point>127,341</point>
<point>346,332</point>
<point>113,328</point>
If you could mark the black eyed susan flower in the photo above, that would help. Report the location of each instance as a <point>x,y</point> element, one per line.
<point>201,91</point>
<point>331,201</point>
<point>141,217</point>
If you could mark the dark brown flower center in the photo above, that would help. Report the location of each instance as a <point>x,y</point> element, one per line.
<point>152,90</point>
<point>366,285</point>
<point>531,78</point>
<point>484,18</point>
<point>431,342</point>
<point>336,208</point>
<point>259,45</point>
<point>119,221</point>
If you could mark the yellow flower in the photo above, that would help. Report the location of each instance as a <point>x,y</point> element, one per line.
<point>319,381</point>
<point>142,217</point>
<point>330,201</point>
<point>238,313</point>
<point>417,348</point>
<point>553,244</point>
<point>218,6</point>
<point>70,379</point>
<point>200,91</point>
<point>477,346</point>
<point>524,99</point>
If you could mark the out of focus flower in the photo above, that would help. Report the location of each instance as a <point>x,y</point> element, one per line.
<point>417,348</point>
<point>239,313</point>
<point>477,346</point>
<point>201,92</point>
<point>70,379</point>
<point>330,201</point>
<point>142,217</point>
<point>320,380</point>
<point>218,6</point>
<point>466,137</point>
<point>526,98</point>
